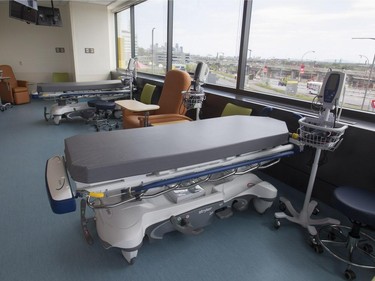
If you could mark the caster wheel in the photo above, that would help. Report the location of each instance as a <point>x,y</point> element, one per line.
<point>276,224</point>
<point>318,249</point>
<point>367,248</point>
<point>97,129</point>
<point>282,206</point>
<point>132,261</point>
<point>331,236</point>
<point>316,211</point>
<point>349,274</point>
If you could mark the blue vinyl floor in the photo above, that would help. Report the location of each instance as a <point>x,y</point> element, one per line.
<point>37,244</point>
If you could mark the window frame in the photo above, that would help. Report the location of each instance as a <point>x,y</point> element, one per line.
<point>239,91</point>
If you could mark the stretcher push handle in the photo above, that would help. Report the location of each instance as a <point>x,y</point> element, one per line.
<point>96,194</point>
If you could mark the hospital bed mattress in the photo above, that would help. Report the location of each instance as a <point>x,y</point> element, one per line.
<point>79,86</point>
<point>112,155</point>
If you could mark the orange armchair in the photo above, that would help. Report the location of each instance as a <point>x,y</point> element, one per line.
<point>12,90</point>
<point>170,102</point>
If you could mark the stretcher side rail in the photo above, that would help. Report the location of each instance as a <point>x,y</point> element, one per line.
<point>134,188</point>
<point>79,86</point>
<point>152,179</point>
<point>140,192</point>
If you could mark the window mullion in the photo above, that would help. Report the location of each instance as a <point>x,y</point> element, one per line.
<point>169,35</point>
<point>244,43</point>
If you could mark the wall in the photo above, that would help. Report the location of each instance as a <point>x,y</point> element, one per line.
<point>90,29</point>
<point>30,49</point>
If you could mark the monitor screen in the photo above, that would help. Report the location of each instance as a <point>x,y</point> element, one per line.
<point>23,10</point>
<point>48,16</point>
<point>28,3</point>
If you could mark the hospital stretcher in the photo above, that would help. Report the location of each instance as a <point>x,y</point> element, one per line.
<point>150,181</point>
<point>67,95</point>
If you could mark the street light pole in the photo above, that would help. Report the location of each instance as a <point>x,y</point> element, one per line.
<point>152,48</point>
<point>368,83</point>
<point>299,75</point>
<point>369,76</point>
<point>367,61</point>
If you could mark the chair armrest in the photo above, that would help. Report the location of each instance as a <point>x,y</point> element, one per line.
<point>22,83</point>
<point>164,118</point>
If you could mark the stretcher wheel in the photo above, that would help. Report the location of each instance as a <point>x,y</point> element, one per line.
<point>46,114</point>
<point>240,205</point>
<point>2,108</point>
<point>132,261</point>
<point>56,119</point>
<point>350,274</point>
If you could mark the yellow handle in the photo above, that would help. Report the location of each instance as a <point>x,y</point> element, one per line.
<point>96,194</point>
<point>295,136</point>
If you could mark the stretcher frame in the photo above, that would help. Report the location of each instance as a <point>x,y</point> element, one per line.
<point>228,177</point>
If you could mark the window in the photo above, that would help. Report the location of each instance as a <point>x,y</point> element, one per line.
<point>151,36</point>
<point>124,39</point>
<point>208,31</point>
<point>293,43</point>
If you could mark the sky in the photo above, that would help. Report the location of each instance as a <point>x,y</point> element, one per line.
<point>319,30</point>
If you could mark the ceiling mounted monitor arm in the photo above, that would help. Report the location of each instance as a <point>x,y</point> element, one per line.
<point>53,13</point>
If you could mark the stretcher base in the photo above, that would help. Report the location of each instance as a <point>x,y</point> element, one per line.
<point>125,226</point>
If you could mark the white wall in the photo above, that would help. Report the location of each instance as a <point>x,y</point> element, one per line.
<point>90,29</point>
<point>30,49</point>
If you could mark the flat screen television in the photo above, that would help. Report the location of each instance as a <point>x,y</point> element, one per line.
<point>25,10</point>
<point>49,16</point>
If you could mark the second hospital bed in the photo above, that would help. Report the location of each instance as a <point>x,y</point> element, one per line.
<point>67,95</point>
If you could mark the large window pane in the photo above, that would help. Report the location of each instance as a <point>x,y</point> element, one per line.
<point>151,36</point>
<point>208,30</point>
<point>123,38</point>
<point>293,43</point>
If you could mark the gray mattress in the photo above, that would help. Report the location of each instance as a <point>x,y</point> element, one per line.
<point>79,86</point>
<point>112,155</point>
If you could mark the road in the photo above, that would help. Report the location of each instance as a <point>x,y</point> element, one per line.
<point>353,98</point>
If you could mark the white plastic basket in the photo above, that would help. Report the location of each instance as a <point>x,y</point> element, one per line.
<point>193,99</point>
<point>320,134</point>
